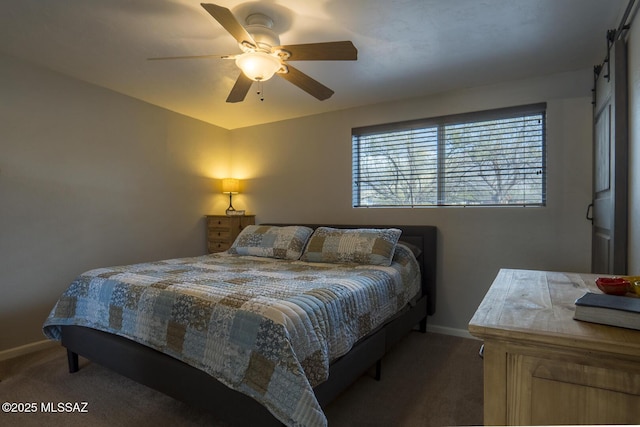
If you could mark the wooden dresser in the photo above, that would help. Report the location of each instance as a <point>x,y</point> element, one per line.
<point>222,230</point>
<point>541,366</point>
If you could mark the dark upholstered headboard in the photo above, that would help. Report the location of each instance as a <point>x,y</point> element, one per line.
<point>423,236</point>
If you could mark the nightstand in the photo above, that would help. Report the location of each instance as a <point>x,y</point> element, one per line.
<point>222,230</point>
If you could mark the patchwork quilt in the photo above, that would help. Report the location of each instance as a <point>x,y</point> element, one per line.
<point>265,327</point>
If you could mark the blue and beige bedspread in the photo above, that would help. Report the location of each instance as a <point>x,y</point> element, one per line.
<point>265,327</point>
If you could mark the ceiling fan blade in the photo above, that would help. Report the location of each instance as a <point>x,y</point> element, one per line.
<point>240,89</point>
<point>162,58</point>
<point>330,51</point>
<point>229,22</point>
<point>306,83</point>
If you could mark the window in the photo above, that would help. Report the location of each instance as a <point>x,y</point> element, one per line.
<point>489,158</point>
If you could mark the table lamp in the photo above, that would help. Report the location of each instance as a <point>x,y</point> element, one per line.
<point>231,186</point>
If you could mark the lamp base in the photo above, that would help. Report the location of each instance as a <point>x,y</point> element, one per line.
<point>233,212</point>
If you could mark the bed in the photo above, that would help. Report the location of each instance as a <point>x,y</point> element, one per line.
<point>295,306</point>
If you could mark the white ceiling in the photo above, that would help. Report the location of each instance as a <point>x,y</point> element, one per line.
<point>406,48</point>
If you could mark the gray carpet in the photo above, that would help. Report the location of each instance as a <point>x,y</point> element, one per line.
<point>427,380</point>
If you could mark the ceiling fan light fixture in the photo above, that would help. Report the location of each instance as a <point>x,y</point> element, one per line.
<point>258,66</point>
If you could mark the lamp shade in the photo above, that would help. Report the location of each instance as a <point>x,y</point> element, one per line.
<point>230,186</point>
<point>258,66</point>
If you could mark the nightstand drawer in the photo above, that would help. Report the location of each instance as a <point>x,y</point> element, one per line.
<point>219,222</point>
<point>219,234</point>
<point>218,246</point>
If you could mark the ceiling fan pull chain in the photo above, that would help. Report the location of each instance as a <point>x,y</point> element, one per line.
<point>261,91</point>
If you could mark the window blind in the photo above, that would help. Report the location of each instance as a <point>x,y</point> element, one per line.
<point>489,158</point>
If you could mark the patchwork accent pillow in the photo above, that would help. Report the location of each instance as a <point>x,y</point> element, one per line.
<point>415,250</point>
<point>271,241</point>
<point>370,246</point>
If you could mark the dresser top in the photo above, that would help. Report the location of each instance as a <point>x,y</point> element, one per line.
<point>538,306</point>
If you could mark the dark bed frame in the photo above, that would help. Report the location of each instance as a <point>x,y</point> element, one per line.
<point>195,387</point>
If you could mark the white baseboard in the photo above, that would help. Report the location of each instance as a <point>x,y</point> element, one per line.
<point>463,333</point>
<point>26,349</point>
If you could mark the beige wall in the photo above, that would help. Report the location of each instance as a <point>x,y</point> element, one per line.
<point>634,148</point>
<point>91,178</point>
<point>300,171</point>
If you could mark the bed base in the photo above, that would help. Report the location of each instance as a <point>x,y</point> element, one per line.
<point>195,387</point>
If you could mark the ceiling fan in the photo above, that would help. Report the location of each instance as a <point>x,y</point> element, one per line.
<point>263,56</point>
